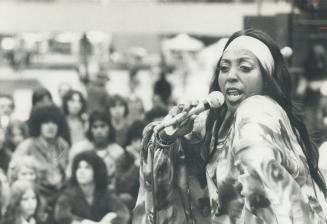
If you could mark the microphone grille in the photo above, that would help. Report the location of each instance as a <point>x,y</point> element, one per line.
<point>216,99</point>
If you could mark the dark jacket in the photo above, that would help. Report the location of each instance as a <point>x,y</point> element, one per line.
<point>72,205</point>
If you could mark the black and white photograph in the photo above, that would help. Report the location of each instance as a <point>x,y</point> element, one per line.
<point>163,111</point>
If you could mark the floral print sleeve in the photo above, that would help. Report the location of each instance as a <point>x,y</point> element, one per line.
<point>172,189</point>
<point>274,175</point>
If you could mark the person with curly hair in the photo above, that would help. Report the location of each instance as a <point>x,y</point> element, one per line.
<point>87,199</point>
<point>47,145</point>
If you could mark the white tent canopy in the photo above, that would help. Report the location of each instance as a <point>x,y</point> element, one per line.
<point>182,42</point>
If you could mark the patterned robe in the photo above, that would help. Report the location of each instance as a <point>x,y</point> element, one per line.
<point>254,168</point>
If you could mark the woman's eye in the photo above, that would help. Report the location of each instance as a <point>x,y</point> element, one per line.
<point>224,68</point>
<point>245,68</point>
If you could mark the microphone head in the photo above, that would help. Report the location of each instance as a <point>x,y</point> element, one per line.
<point>216,99</point>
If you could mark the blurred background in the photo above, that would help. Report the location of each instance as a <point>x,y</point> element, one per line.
<point>50,42</point>
<point>57,42</point>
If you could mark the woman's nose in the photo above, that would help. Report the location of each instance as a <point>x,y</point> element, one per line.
<point>232,75</point>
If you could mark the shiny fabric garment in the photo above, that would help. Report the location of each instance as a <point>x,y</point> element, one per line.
<point>255,169</point>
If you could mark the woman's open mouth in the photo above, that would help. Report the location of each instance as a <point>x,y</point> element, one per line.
<point>233,94</point>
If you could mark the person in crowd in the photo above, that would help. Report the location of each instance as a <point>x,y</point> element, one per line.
<point>118,109</point>
<point>315,73</point>
<point>4,193</point>
<point>74,107</point>
<point>24,205</point>
<point>16,132</point>
<point>87,199</point>
<point>5,152</point>
<point>46,125</point>
<point>25,168</point>
<point>85,54</point>
<point>155,114</point>
<point>135,105</point>
<point>63,89</point>
<point>97,94</point>
<point>7,107</point>
<point>162,92</point>
<point>134,138</point>
<point>254,142</point>
<point>41,95</point>
<point>128,165</point>
<point>101,139</point>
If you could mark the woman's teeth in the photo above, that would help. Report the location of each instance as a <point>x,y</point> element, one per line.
<point>233,92</point>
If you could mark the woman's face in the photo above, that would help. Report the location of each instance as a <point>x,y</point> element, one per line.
<point>49,130</point>
<point>84,173</point>
<point>118,110</point>
<point>17,136</point>
<point>28,203</point>
<point>74,104</point>
<point>240,76</point>
<point>26,173</point>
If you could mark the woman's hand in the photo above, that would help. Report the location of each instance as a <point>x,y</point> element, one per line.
<point>181,128</point>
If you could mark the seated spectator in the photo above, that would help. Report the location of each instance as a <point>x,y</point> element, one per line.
<point>7,107</point>
<point>155,114</point>
<point>134,138</point>
<point>5,152</point>
<point>24,204</point>
<point>74,107</point>
<point>4,193</point>
<point>41,95</point>
<point>100,138</point>
<point>63,89</point>
<point>118,109</point>
<point>128,166</point>
<point>49,148</point>
<point>26,168</point>
<point>87,199</point>
<point>16,132</point>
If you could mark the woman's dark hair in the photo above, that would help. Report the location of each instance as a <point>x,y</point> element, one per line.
<point>98,166</point>
<point>39,93</point>
<point>43,113</point>
<point>155,113</point>
<point>279,87</point>
<point>116,100</point>
<point>69,96</point>
<point>98,115</point>
<point>135,131</point>
<point>22,126</point>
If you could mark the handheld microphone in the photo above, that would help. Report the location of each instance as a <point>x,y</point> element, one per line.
<point>214,100</point>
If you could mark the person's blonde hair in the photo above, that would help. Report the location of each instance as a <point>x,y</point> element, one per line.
<point>16,165</point>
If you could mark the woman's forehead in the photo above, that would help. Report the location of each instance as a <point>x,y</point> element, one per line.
<point>235,53</point>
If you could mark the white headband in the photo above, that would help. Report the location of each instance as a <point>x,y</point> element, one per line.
<point>258,48</point>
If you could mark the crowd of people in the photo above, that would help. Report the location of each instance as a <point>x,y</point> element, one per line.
<point>77,162</point>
